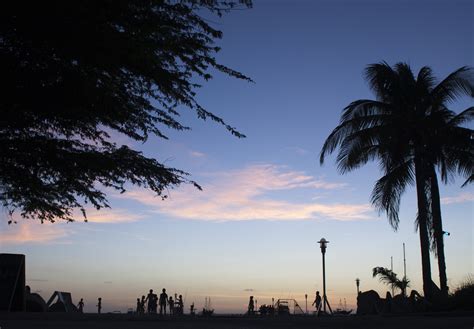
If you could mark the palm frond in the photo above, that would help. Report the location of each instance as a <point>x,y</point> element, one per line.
<point>390,278</point>
<point>463,117</point>
<point>457,84</point>
<point>381,79</point>
<point>388,190</point>
<point>425,79</point>
<point>468,181</point>
<point>357,116</point>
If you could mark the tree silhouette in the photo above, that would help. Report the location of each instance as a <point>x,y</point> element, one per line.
<point>75,71</point>
<point>411,132</point>
<point>390,278</point>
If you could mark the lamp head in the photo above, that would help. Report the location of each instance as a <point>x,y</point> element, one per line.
<point>323,243</point>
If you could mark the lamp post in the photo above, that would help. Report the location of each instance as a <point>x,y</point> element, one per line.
<point>357,284</point>
<point>323,244</point>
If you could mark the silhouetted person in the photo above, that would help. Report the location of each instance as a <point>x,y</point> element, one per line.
<point>99,305</point>
<point>155,303</point>
<point>80,306</point>
<point>171,305</point>
<point>251,306</point>
<point>149,299</point>
<point>180,304</point>
<point>317,301</point>
<point>163,301</point>
<point>142,305</point>
<point>139,306</point>
<point>191,309</point>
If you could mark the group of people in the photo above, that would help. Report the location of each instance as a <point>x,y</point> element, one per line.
<point>150,303</point>
<point>270,309</point>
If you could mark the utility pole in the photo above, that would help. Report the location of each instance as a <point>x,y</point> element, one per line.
<point>404,262</point>
<point>306,299</point>
<point>391,269</point>
<point>404,269</point>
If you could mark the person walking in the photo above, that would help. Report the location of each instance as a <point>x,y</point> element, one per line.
<point>99,305</point>
<point>317,302</point>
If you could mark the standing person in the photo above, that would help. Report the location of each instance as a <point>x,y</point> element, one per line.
<point>251,306</point>
<point>149,299</point>
<point>180,304</point>
<point>80,306</point>
<point>139,307</point>
<point>155,303</point>
<point>99,305</point>
<point>317,302</point>
<point>163,301</point>
<point>142,305</point>
<point>171,305</point>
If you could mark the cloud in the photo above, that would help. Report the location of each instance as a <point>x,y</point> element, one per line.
<point>28,231</point>
<point>243,195</point>
<point>108,215</point>
<point>298,150</point>
<point>460,198</point>
<point>32,231</point>
<point>196,154</point>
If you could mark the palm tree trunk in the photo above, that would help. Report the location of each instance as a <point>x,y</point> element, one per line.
<point>423,228</point>
<point>438,232</point>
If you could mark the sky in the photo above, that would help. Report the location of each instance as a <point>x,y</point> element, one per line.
<point>266,201</point>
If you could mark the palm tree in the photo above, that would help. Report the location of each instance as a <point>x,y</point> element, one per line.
<point>404,129</point>
<point>452,149</point>
<point>389,277</point>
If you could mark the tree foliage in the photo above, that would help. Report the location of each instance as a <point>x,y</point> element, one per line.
<point>411,132</point>
<point>74,71</point>
<point>390,278</point>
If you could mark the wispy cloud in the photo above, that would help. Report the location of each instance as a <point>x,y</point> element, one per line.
<point>461,198</point>
<point>32,231</point>
<point>28,231</point>
<point>298,150</point>
<point>196,154</point>
<point>107,215</point>
<point>243,195</point>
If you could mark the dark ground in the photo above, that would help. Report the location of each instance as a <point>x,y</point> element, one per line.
<point>122,321</point>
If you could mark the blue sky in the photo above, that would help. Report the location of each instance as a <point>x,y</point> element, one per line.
<point>266,201</point>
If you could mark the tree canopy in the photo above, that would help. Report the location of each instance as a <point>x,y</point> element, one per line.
<point>410,130</point>
<point>73,71</point>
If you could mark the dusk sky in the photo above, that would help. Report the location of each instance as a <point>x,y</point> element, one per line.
<point>266,201</point>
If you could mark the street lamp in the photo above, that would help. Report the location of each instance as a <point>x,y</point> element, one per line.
<point>357,284</point>
<point>323,244</point>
